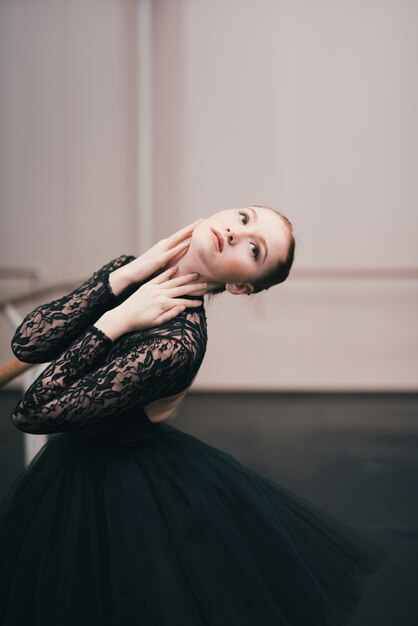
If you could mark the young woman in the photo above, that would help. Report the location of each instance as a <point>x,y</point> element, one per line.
<point>123,520</point>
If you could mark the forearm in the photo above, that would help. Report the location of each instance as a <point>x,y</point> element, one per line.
<point>70,392</point>
<point>50,328</point>
<point>43,402</point>
<point>119,280</point>
<point>112,324</point>
<point>84,386</point>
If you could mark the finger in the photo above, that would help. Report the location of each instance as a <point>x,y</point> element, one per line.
<point>180,291</point>
<point>171,252</point>
<point>184,232</point>
<point>181,280</point>
<point>164,275</point>
<point>168,315</point>
<point>185,302</point>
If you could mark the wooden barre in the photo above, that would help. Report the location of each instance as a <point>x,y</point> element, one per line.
<point>11,369</point>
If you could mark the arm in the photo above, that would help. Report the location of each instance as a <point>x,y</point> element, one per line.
<point>49,329</point>
<point>78,389</point>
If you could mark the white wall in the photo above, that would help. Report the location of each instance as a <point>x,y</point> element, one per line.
<point>309,107</point>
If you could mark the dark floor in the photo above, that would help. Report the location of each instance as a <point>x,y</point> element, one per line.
<point>355,455</point>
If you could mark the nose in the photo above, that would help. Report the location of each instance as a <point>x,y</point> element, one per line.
<point>231,237</point>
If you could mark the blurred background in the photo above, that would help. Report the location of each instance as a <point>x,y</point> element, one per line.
<point>123,120</point>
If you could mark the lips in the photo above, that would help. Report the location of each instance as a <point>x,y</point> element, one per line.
<point>219,239</point>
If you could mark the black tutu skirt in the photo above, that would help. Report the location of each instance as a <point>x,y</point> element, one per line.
<point>164,529</point>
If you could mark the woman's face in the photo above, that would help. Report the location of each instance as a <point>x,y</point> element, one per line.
<point>236,247</point>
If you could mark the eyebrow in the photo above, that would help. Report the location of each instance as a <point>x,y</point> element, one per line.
<point>263,241</point>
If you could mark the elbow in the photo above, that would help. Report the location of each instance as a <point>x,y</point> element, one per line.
<point>28,353</point>
<point>20,351</point>
<point>26,345</point>
<point>18,421</point>
<point>20,355</point>
<point>33,425</point>
<point>17,343</point>
<point>24,424</point>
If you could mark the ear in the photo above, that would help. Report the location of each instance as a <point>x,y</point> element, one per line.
<point>239,288</point>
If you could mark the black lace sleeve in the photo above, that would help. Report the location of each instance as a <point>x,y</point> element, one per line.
<point>81,388</point>
<point>49,329</point>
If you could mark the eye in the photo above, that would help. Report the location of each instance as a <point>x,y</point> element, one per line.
<point>257,251</point>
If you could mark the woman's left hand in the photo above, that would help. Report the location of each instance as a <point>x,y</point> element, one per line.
<point>160,254</point>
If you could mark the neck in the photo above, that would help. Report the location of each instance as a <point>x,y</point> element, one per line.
<point>185,265</point>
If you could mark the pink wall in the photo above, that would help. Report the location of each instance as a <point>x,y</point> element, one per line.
<point>308,107</point>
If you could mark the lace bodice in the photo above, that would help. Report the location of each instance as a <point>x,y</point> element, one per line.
<point>90,378</point>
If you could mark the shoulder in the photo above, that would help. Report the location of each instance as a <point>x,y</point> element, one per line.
<point>191,327</point>
<point>189,331</point>
<point>184,336</point>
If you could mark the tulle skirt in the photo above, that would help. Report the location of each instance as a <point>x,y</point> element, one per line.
<point>170,531</point>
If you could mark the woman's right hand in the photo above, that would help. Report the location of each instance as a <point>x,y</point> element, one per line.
<point>157,301</point>
<point>159,255</point>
